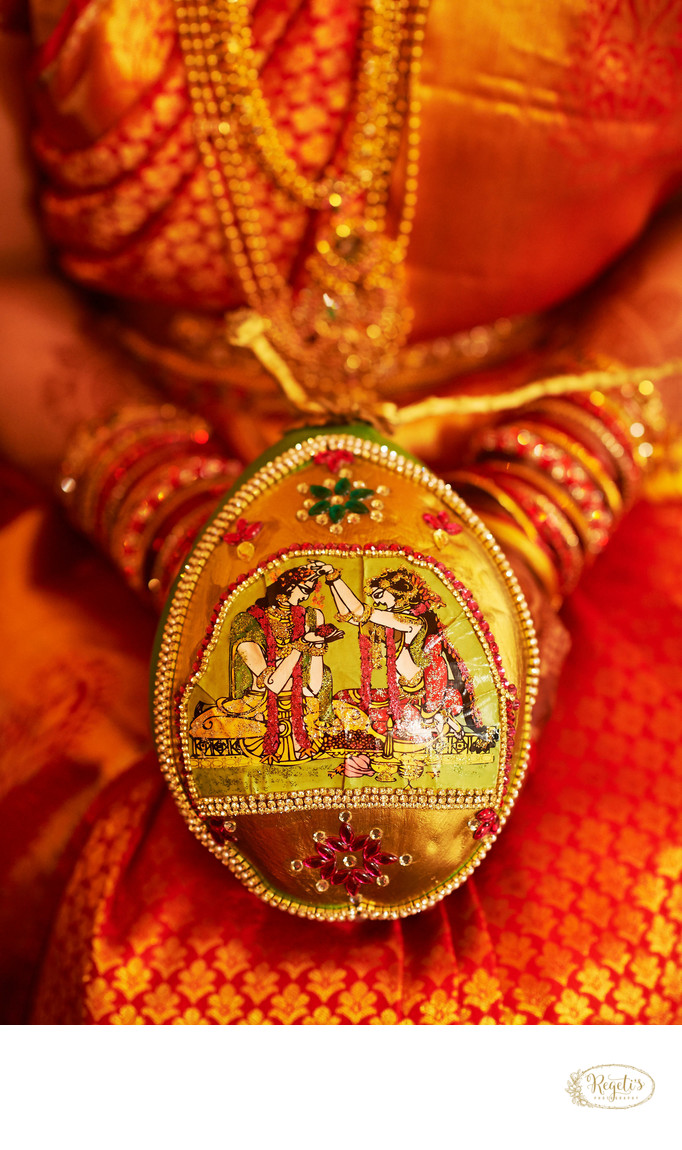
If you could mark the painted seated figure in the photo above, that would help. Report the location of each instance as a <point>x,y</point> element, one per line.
<point>279,686</point>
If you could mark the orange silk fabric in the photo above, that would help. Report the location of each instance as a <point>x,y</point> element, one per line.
<point>574,918</point>
<point>549,133</point>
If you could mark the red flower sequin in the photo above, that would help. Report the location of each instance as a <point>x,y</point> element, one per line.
<point>441,522</point>
<point>243,532</point>
<point>349,860</point>
<point>334,460</point>
<point>488,823</point>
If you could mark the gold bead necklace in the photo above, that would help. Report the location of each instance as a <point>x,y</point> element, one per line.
<point>379,66</point>
<point>343,329</point>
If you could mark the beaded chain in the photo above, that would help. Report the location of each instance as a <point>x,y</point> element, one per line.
<point>349,320</point>
<point>379,102</point>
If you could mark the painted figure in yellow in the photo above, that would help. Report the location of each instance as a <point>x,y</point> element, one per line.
<point>280,687</point>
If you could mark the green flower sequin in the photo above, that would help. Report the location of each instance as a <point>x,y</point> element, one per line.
<point>329,500</point>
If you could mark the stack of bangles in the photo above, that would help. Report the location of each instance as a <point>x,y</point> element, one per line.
<point>553,483</point>
<point>550,483</point>
<point>142,485</point>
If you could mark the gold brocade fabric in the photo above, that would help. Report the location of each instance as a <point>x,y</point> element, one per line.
<point>548,139</point>
<point>574,919</point>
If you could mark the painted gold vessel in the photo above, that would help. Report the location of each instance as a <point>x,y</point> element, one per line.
<point>344,681</point>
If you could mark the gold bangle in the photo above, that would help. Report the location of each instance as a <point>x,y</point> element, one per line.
<point>89,437</point>
<point>585,423</point>
<point>307,648</point>
<point>644,396</point>
<point>553,490</point>
<point>349,617</point>
<point>647,416</point>
<point>517,443</point>
<point>629,405</point>
<point>140,523</point>
<point>553,527</point>
<point>509,535</point>
<point>123,480</point>
<point>96,448</point>
<point>586,460</point>
<point>502,498</point>
<point>332,575</point>
<point>176,546</point>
